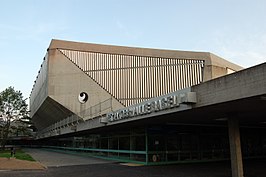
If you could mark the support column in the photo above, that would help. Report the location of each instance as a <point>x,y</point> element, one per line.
<point>146,146</point>
<point>235,147</point>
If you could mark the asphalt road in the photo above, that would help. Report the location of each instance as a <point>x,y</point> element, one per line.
<point>91,167</point>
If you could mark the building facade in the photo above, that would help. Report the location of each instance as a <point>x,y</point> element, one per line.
<point>119,76</point>
<point>148,106</point>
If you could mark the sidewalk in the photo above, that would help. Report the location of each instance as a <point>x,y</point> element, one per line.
<point>16,164</point>
<point>57,159</point>
<point>46,159</point>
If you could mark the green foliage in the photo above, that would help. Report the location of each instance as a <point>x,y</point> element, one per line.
<point>12,104</point>
<point>19,155</point>
<point>13,107</point>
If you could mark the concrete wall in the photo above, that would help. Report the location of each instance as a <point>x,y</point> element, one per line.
<point>243,84</point>
<point>40,89</point>
<point>67,81</point>
<point>216,66</point>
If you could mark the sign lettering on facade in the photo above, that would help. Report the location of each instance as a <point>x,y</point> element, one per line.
<point>154,105</point>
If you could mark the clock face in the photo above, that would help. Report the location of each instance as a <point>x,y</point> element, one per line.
<point>83,97</point>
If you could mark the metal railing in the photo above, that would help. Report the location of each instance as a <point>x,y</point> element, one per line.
<point>85,115</point>
<point>97,110</point>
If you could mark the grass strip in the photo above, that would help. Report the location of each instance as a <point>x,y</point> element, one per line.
<point>20,154</point>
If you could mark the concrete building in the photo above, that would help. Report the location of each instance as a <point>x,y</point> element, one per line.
<point>149,106</point>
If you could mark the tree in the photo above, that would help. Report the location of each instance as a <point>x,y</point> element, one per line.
<point>12,108</point>
<point>22,127</point>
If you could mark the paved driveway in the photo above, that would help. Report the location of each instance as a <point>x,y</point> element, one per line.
<point>57,159</point>
<point>65,165</point>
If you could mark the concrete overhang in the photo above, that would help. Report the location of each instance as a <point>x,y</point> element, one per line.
<point>49,113</point>
<point>241,94</point>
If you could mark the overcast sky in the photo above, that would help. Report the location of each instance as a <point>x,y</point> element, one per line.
<point>232,29</point>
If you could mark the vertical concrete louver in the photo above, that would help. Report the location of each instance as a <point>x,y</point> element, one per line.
<point>132,79</point>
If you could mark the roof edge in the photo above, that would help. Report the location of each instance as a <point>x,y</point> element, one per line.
<point>221,62</point>
<point>124,50</point>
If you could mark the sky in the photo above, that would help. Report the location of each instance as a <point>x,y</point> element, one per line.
<point>232,29</point>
